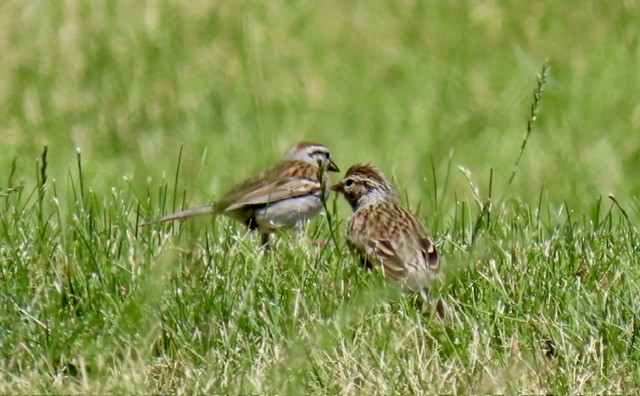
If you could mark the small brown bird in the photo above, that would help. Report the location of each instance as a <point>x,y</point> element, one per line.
<point>385,233</point>
<point>282,197</point>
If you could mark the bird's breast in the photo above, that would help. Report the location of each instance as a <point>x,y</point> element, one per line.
<point>288,213</point>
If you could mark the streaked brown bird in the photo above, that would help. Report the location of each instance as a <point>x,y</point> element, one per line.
<point>385,233</point>
<point>282,197</point>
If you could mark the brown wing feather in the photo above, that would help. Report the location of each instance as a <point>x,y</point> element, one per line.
<point>287,179</point>
<point>392,262</point>
<point>276,192</point>
<point>430,254</point>
<point>391,236</point>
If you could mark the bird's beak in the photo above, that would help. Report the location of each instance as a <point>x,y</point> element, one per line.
<point>333,167</point>
<point>337,188</point>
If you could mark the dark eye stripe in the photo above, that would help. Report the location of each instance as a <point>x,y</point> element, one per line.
<point>326,154</point>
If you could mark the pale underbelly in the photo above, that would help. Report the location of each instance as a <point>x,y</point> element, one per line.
<point>287,214</point>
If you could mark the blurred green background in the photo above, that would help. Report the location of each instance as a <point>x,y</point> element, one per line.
<point>398,83</point>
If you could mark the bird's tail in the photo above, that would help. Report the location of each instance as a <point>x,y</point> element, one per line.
<point>200,210</point>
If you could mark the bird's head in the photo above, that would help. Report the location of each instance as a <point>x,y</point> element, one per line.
<point>313,153</point>
<point>364,184</point>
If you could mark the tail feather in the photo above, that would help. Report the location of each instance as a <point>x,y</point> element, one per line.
<point>191,212</point>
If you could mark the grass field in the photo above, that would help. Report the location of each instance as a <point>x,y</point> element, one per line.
<point>145,107</point>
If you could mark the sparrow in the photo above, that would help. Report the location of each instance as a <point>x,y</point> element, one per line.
<point>386,234</point>
<point>283,197</point>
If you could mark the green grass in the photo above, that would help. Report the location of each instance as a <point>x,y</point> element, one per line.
<point>149,106</point>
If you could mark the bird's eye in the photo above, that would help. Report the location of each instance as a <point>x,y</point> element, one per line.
<point>348,183</point>
<point>328,155</point>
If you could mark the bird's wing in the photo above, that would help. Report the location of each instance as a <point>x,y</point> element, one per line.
<point>405,257</point>
<point>274,192</point>
<point>389,254</point>
<point>288,179</point>
<point>403,253</point>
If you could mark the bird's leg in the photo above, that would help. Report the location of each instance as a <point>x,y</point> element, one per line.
<point>365,263</point>
<point>251,223</point>
<point>265,241</point>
